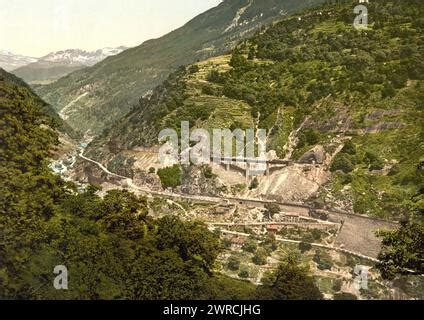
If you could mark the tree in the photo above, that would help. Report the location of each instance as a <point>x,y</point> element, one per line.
<point>304,247</point>
<point>373,160</point>
<point>308,137</point>
<point>233,263</point>
<point>342,162</point>
<point>349,148</point>
<point>254,184</point>
<point>402,250</point>
<point>192,240</point>
<point>271,210</point>
<point>244,273</point>
<point>323,260</point>
<point>290,282</point>
<point>388,90</point>
<point>260,257</point>
<point>170,177</point>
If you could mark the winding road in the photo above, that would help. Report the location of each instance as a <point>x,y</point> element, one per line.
<point>356,236</point>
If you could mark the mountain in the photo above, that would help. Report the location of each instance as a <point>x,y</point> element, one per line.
<point>94,98</point>
<point>58,64</point>
<point>43,216</point>
<point>10,61</point>
<point>54,119</point>
<point>348,99</point>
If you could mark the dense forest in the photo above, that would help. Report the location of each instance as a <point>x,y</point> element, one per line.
<point>111,247</point>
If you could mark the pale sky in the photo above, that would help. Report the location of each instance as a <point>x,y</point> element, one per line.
<point>38,27</point>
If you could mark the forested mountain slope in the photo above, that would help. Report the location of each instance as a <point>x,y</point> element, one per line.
<point>110,247</point>
<point>314,76</point>
<point>57,122</point>
<point>96,97</point>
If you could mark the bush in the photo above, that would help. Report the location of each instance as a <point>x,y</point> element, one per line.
<point>349,148</point>
<point>316,234</point>
<point>373,160</point>
<point>254,184</point>
<point>244,274</point>
<point>345,179</point>
<point>152,170</point>
<point>308,137</point>
<point>323,260</point>
<point>304,247</point>
<point>214,76</point>
<point>250,246</point>
<point>337,285</point>
<point>345,296</point>
<point>260,257</point>
<point>207,172</point>
<point>170,177</point>
<point>271,210</point>
<point>233,264</point>
<point>308,238</point>
<point>342,162</point>
<point>388,90</point>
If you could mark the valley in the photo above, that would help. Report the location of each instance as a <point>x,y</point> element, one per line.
<point>333,211</point>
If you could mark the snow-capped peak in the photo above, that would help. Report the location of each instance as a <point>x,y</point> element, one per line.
<point>81,57</point>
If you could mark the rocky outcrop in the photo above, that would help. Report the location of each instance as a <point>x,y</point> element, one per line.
<point>314,156</point>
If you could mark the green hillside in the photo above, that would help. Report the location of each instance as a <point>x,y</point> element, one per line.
<point>361,89</point>
<point>111,247</point>
<point>94,98</point>
<point>55,120</point>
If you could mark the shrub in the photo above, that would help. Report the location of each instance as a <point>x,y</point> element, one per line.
<point>250,246</point>
<point>170,177</point>
<point>233,264</point>
<point>214,76</point>
<point>308,137</point>
<point>316,234</point>
<point>388,90</point>
<point>193,69</point>
<point>342,162</point>
<point>323,260</point>
<point>254,184</point>
<point>207,172</point>
<point>244,274</point>
<point>349,148</point>
<point>373,160</point>
<point>260,257</point>
<point>337,285</point>
<point>304,247</point>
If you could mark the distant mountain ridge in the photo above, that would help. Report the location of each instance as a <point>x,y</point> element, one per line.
<point>10,61</point>
<point>81,57</point>
<point>96,97</point>
<point>60,63</point>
